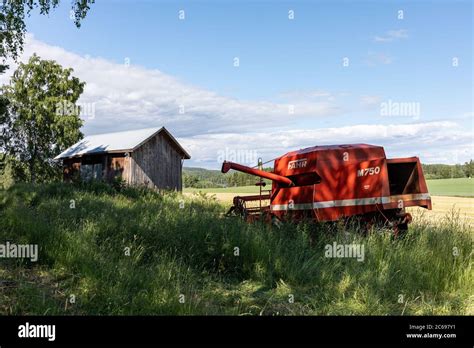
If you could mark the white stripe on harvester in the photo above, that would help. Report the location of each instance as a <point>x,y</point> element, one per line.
<point>351,202</point>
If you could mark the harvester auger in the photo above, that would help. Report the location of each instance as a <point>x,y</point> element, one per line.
<point>330,183</point>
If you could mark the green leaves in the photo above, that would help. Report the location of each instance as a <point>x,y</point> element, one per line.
<point>12,21</point>
<point>42,118</point>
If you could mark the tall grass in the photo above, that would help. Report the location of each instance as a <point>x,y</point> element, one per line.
<point>186,258</point>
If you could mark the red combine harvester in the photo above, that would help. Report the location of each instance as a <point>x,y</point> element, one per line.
<point>328,183</point>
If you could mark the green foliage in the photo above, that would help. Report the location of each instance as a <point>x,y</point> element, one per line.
<point>204,178</point>
<point>11,171</point>
<point>12,34</point>
<point>189,250</point>
<point>42,118</point>
<point>469,169</point>
<point>12,21</point>
<point>462,187</point>
<point>447,171</point>
<point>118,183</point>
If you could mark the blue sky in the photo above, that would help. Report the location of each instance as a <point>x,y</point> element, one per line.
<point>284,64</point>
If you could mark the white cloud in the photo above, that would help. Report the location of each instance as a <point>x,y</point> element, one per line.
<point>369,100</point>
<point>405,140</point>
<point>305,95</point>
<point>392,35</point>
<point>134,97</point>
<point>376,58</point>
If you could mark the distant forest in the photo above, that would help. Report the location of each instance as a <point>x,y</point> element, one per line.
<point>445,171</point>
<point>205,178</point>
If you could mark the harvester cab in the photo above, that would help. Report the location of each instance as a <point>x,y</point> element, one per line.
<point>328,183</point>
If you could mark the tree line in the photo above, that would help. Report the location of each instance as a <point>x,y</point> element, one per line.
<point>204,178</point>
<point>446,171</point>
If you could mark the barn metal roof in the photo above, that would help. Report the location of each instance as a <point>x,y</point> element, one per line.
<point>116,142</point>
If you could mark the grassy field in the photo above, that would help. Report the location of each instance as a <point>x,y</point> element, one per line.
<point>186,258</point>
<point>233,189</point>
<point>462,187</point>
<point>449,196</point>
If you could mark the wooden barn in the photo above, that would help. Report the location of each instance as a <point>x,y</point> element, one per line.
<point>150,157</point>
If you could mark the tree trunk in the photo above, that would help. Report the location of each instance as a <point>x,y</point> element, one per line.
<point>32,166</point>
<point>32,171</point>
<point>33,155</point>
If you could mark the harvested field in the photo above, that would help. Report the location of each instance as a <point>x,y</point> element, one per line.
<point>443,206</point>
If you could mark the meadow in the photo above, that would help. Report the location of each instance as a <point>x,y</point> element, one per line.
<point>448,196</point>
<point>132,251</point>
<point>461,187</point>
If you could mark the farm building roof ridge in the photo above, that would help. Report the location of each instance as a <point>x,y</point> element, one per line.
<point>124,141</point>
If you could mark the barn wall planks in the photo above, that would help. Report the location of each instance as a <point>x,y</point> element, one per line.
<point>71,166</point>
<point>116,167</point>
<point>113,165</point>
<point>156,163</point>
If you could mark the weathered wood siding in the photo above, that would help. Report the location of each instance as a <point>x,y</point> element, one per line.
<point>71,168</point>
<point>156,164</point>
<point>117,166</point>
<point>113,165</point>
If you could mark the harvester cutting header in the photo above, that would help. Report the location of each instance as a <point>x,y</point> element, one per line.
<point>328,183</point>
